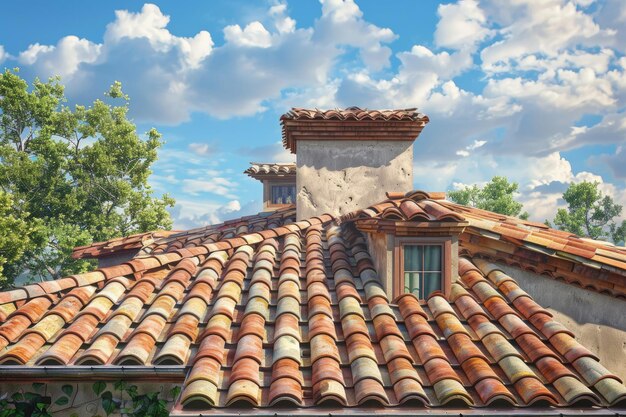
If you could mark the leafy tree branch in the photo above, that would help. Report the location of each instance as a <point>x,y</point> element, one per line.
<point>71,176</point>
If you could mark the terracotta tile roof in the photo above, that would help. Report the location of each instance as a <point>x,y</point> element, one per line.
<point>295,314</point>
<point>354,113</point>
<point>298,316</point>
<point>414,206</point>
<point>260,171</point>
<point>168,241</point>
<point>592,264</point>
<point>350,124</point>
<point>117,245</point>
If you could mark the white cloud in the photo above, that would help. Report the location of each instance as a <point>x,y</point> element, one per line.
<point>536,69</point>
<point>151,24</point>
<point>253,35</point>
<point>342,23</point>
<point>189,214</point>
<point>282,22</point>
<point>170,77</point>
<point>544,27</point>
<point>63,59</point>
<point>461,25</point>
<point>216,185</point>
<point>469,148</point>
<point>3,54</point>
<point>202,149</point>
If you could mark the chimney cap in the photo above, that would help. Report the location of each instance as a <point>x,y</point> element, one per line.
<point>266,170</point>
<point>352,123</point>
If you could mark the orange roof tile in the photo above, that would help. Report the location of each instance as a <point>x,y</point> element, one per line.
<point>597,265</point>
<point>117,245</point>
<point>298,317</point>
<point>349,124</point>
<point>167,241</point>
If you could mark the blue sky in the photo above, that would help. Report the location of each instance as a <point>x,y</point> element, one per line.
<point>533,89</point>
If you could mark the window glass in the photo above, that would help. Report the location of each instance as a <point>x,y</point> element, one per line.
<point>423,269</point>
<point>432,282</point>
<point>432,258</point>
<point>412,283</point>
<point>413,258</point>
<point>283,194</point>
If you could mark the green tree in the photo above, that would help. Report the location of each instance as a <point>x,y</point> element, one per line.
<point>590,213</point>
<point>73,175</point>
<point>496,196</point>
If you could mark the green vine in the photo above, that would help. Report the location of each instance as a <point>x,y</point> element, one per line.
<point>37,403</point>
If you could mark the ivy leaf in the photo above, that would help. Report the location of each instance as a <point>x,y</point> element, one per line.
<point>17,396</point>
<point>67,389</point>
<point>32,396</point>
<point>38,385</point>
<point>175,391</point>
<point>120,385</point>
<point>62,401</point>
<point>98,387</point>
<point>108,405</point>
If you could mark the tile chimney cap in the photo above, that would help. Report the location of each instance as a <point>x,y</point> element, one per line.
<point>352,123</point>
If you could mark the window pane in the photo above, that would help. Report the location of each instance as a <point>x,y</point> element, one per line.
<point>283,194</point>
<point>432,258</point>
<point>412,258</point>
<point>412,283</point>
<point>432,282</point>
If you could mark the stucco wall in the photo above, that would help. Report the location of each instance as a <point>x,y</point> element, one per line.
<point>381,249</point>
<point>338,177</point>
<point>598,321</point>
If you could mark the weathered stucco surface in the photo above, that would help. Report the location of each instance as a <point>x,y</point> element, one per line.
<point>337,177</point>
<point>381,249</point>
<point>597,320</point>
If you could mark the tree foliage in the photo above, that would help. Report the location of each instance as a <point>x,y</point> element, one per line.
<point>70,176</point>
<point>590,213</point>
<point>496,196</point>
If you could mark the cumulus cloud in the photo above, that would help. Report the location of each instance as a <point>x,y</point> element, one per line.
<point>544,27</point>
<point>62,59</point>
<point>253,35</point>
<point>616,162</point>
<point>461,25</point>
<point>3,54</point>
<point>203,149</point>
<point>189,214</point>
<point>170,76</point>
<point>342,24</point>
<point>216,185</point>
<point>536,69</point>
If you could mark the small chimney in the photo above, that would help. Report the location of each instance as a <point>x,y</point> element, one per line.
<point>279,183</point>
<point>349,159</point>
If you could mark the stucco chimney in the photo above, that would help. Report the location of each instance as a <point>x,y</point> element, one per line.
<point>348,159</point>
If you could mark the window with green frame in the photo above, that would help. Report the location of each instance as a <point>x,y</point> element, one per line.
<point>423,269</point>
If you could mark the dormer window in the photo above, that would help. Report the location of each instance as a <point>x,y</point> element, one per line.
<point>414,240</point>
